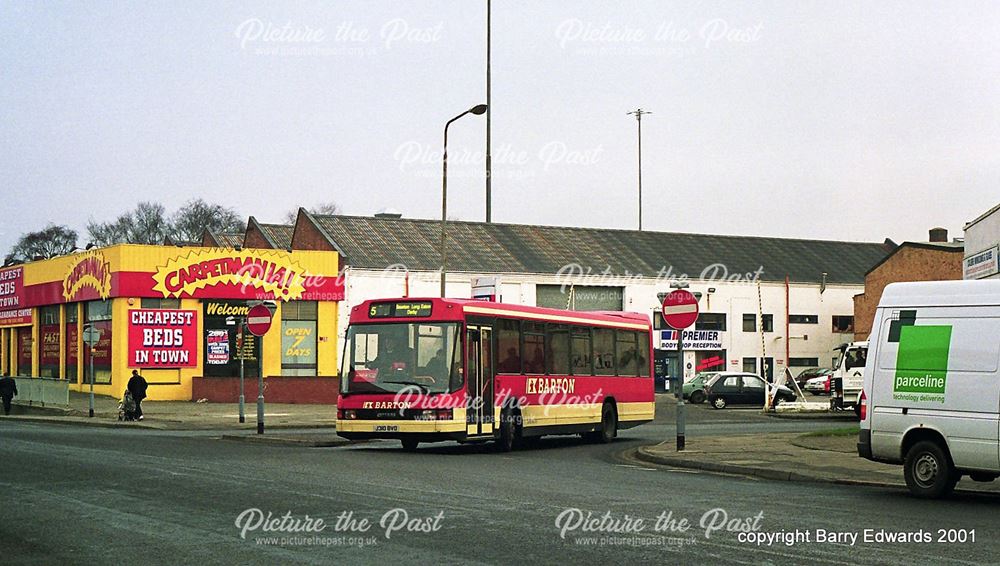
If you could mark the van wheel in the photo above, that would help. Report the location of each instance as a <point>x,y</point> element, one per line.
<point>698,397</point>
<point>928,471</point>
<point>410,444</point>
<point>719,402</point>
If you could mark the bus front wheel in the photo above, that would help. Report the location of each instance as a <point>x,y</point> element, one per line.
<point>410,444</point>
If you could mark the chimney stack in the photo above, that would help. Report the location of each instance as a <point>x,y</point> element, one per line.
<point>939,234</point>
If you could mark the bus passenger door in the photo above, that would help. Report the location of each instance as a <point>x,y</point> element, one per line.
<point>479,416</point>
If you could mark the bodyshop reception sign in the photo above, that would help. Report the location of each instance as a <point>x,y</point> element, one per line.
<point>162,338</point>
<point>13,309</point>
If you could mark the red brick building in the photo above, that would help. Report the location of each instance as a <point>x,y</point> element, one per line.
<point>936,260</point>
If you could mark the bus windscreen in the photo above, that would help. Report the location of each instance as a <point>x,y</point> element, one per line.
<point>386,358</point>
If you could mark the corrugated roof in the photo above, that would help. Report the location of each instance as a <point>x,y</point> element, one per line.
<point>280,235</point>
<point>229,240</point>
<point>478,247</point>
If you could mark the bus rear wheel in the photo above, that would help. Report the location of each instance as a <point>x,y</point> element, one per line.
<point>609,425</point>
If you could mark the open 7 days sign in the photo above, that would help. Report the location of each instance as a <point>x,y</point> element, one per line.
<point>921,360</point>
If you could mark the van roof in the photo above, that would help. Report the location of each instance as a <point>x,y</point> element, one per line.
<point>985,292</point>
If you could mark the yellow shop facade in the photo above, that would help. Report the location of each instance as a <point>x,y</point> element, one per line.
<point>175,314</point>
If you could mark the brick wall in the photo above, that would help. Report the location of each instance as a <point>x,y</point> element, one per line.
<point>908,263</point>
<point>255,238</point>
<point>307,236</point>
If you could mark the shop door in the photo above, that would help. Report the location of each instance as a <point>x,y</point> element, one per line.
<point>480,410</point>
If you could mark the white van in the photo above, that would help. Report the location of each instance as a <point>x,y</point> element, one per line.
<point>931,397</point>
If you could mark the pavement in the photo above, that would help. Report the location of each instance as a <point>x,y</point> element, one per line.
<point>180,415</point>
<point>786,456</point>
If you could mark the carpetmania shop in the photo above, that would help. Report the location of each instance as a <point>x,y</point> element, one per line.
<point>174,315</point>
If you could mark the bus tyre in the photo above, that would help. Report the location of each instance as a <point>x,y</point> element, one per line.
<point>509,430</point>
<point>928,471</point>
<point>410,444</point>
<point>698,397</point>
<point>609,424</point>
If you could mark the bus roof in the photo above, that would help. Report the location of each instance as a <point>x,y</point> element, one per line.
<point>458,309</point>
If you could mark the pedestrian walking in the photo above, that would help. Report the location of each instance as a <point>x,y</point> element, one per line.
<point>137,387</point>
<point>8,389</point>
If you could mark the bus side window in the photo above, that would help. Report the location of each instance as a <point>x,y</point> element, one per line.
<point>557,349</point>
<point>641,352</point>
<point>625,350</point>
<point>508,346</point>
<point>580,354</point>
<point>604,351</point>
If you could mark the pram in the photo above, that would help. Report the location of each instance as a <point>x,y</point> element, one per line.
<point>126,407</point>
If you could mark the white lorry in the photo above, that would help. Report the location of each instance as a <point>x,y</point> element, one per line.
<point>931,397</point>
<point>849,369</point>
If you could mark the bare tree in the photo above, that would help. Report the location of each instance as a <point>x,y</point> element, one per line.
<point>322,209</point>
<point>147,224</point>
<point>51,241</point>
<point>196,216</point>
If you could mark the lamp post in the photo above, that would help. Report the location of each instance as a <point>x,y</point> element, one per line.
<point>477,110</point>
<point>638,113</point>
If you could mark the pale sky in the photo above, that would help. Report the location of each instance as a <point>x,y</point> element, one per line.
<point>827,120</point>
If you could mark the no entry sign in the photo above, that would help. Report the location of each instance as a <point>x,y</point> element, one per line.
<point>259,320</point>
<point>680,309</point>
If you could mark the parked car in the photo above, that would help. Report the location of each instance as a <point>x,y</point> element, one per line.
<point>694,390</point>
<point>819,385</point>
<point>809,373</point>
<point>733,388</point>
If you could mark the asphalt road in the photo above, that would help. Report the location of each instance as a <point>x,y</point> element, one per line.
<point>91,495</point>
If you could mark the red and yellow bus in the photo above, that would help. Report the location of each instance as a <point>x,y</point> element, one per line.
<point>428,370</point>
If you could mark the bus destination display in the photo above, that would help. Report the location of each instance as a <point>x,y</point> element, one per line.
<point>401,309</point>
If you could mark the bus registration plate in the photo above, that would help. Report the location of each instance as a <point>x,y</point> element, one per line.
<point>386,428</point>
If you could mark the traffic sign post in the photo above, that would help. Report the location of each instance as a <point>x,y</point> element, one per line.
<point>680,311</point>
<point>91,336</point>
<point>258,323</point>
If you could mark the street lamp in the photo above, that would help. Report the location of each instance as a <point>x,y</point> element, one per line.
<point>638,113</point>
<point>477,110</point>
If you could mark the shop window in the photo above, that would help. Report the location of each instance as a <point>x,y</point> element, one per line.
<point>71,370</point>
<point>150,303</point>
<point>581,357</point>
<point>604,351</point>
<point>49,332</point>
<point>298,338</point>
<point>750,365</point>
<point>625,349</point>
<point>97,314</point>
<point>509,346</point>
<point>557,353</point>
<point>711,321</point>
<point>222,356</point>
<point>803,319</point>
<point>24,346</point>
<point>843,324</point>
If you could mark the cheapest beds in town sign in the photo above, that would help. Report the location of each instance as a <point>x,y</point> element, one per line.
<point>13,310</point>
<point>162,338</point>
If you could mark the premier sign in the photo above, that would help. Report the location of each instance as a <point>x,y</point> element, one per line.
<point>693,339</point>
